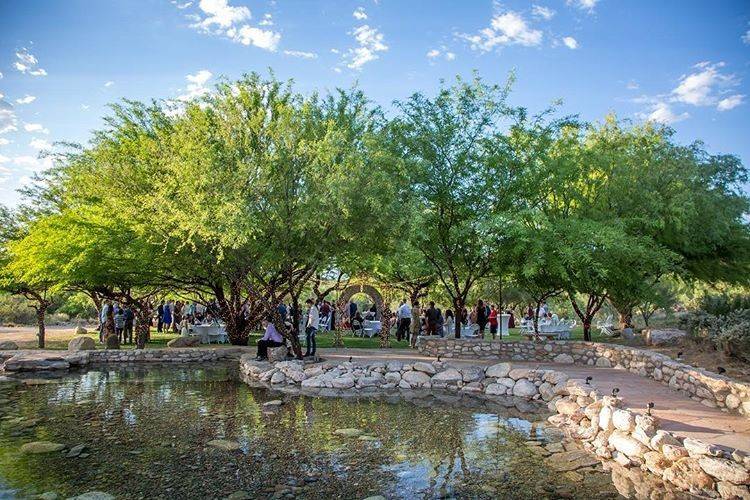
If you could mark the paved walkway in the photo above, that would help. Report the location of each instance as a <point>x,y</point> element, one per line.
<point>677,412</point>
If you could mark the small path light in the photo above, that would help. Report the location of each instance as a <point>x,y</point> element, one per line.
<point>649,407</point>
<point>589,379</point>
<point>615,391</point>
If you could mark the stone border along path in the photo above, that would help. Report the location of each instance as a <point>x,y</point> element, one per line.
<point>685,420</point>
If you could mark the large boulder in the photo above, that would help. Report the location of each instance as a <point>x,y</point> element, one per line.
<point>8,345</point>
<point>39,447</point>
<point>113,342</point>
<point>524,388</point>
<point>343,382</point>
<point>186,341</point>
<point>623,443</point>
<point>415,378</point>
<point>499,370</point>
<point>451,375</point>
<point>687,474</point>
<point>563,359</point>
<point>658,337</point>
<point>81,330</point>
<point>427,368</point>
<point>472,373</point>
<point>81,344</point>
<point>725,470</point>
<point>277,354</point>
<point>36,361</point>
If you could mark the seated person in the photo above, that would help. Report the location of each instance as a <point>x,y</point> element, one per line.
<point>272,338</point>
<point>357,322</point>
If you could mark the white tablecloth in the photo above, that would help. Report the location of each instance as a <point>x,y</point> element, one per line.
<point>371,328</point>
<point>209,333</point>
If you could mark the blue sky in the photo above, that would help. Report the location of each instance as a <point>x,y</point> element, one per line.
<point>682,62</point>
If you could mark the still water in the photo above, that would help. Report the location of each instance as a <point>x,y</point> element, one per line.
<point>151,431</point>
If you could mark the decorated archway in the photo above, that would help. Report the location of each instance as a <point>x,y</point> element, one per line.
<point>352,290</point>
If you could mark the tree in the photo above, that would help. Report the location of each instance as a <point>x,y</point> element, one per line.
<point>462,185</point>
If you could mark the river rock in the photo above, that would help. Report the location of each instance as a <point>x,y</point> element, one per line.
<point>499,370</point>
<point>524,388</point>
<point>724,470</point>
<point>8,345</point>
<point>563,359</point>
<point>472,373</point>
<point>81,330</point>
<point>113,342</point>
<point>698,448</point>
<point>182,341</point>
<point>733,491</point>
<point>278,377</point>
<point>93,495</point>
<point>674,452</point>
<point>427,368</point>
<point>495,390</point>
<point>224,444</point>
<point>393,377</point>
<point>81,344</point>
<point>605,419</point>
<point>624,443</point>
<point>732,401</point>
<point>659,337</point>
<point>519,373</point>
<point>36,361</point>
<point>565,406</point>
<point>37,447</point>
<point>687,474</point>
<point>571,460</point>
<point>451,375</point>
<point>623,420</point>
<point>416,378</point>
<point>655,462</point>
<point>554,377</point>
<point>603,362</point>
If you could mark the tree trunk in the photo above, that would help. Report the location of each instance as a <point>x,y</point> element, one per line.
<point>294,337</point>
<point>626,318</point>
<point>41,311</point>
<point>143,324</point>
<point>459,304</point>
<point>587,330</point>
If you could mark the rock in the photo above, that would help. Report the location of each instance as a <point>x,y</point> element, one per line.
<point>317,381</point>
<point>547,392</point>
<point>93,495</point>
<point>394,366</point>
<point>563,359</point>
<point>673,452</point>
<point>623,420</point>
<point>273,403</point>
<point>48,495</point>
<point>451,375</point>
<point>624,443</point>
<point>277,354</point>
<point>687,474</point>
<point>186,341</point>
<point>733,491</point>
<point>224,444</point>
<point>38,447</point>
<point>656,463</point>
<point>75,451</point>
<point>571,460</point>
<point>8,345</point>
<point>395,377</point>
<point>655,337</point>
<point>495,390</point>
<point>349,432</point>
<point>278,378</point>
<point>375,497</point>
<point>416,378</point>
<point>373,381</point>
<point>36,361</point>
<point>565,406</point>
<point>724,470</point>
<point>499,370</point>
<point>605,419</point>
<point>698,448</point>
<point>518,373</point>
<point>555,377</point>
<point>81,344</point>
<point>663,437</point>
<point>427,368</point>
<point>603,362</point>
<point>239,495</point>
<point>81,330</point>
<point>472,373</point>
<point>524,388</point>
<point>113,342</point>
<point>732,401</point>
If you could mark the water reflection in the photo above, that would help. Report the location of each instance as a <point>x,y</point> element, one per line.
<point>147,429</point>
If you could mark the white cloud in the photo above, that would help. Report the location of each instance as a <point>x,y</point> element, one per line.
<point>32,163</point>
<point>196,86</point>
<point>181,6</point>
<point>38,143</point>
<point>8,120</point>
<point>4,141</point>
<point>1,75</point>
<point>221,18</point>
<point>370,41</point>
<point>27,99</point>
<point>542,12</point>
<point>301,54</point>
<point>570,42</point>
<point>730,102</point>
<point>587,5</point>
<point>632,85</point>
<point>434,54</point>
<point>84,107</point>
<point>334,51</point>
<point>27,63</point>
<point>746,38</point>
<point>267,20</point>
<point>704,86</point>
<point>359,14</point>
<point>509,28</point>
<point>4,159</point>
<point>249,35</point>
<point>661,112</point>
<point>35,127</point>
<point>109,83</point>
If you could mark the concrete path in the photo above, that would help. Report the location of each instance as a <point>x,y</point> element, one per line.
<point>677,412</point>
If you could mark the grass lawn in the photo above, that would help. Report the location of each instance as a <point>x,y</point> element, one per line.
<point>58,338</point>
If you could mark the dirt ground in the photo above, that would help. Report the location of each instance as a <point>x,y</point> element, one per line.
<point>708,358</point>
<point>57,337</point>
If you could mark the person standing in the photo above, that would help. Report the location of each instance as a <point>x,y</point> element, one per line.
<point>313,317</point>
<point>449,324</point>
<point>481,317</point>
<point>440,323</point>
<point>160,316</point>
<point>493,320</point>
<point>103,319</point>
<point>120,324</point>
<point>352,309</point>
<point>167,316</point>
<point>404,321</point>
<point>416,314</point>
<point>431,317</point>
<point>127,333</point>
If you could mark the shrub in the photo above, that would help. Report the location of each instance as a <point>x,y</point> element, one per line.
<point>730,332</point>
<point>723,304</point>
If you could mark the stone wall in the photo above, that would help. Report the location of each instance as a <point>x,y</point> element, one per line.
<point>632,440</point>
<point>709,388</point>
<point>37,360</point>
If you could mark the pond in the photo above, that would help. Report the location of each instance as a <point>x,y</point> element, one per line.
<point>194,432</point>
